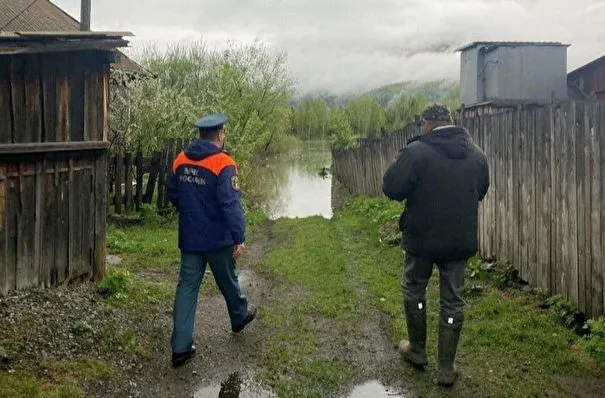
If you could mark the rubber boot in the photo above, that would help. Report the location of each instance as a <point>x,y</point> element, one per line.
<point>414,349</point>
<point>449,335</point>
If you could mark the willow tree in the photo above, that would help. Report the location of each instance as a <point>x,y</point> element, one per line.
<point>249,83</point>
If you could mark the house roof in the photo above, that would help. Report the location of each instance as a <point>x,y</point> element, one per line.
<point>575,94</point>
<point>44,42</point>
<point>43,16</point>
<point>589,65</point>
<point>512,44</point>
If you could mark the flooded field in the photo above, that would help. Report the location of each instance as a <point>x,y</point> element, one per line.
<point>297,184</point>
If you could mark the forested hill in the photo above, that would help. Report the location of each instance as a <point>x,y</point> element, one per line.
<point>346,118</point>
<point>434,91</point>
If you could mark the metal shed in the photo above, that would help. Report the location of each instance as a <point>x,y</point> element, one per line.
<point>54,104</point>
<point>514,72</point>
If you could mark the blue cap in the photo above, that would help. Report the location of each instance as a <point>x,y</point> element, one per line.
<point>211,122</point>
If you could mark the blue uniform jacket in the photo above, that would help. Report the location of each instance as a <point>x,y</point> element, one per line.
<point>204,188</point>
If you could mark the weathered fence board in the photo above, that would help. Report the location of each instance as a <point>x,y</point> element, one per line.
<point>139,180</point>
<point>128,168</point>
<point>598,131</point>
<point>128,182</point>
<point>545,210</point>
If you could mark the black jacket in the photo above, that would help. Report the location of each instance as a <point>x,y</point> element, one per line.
<point>442,176</point>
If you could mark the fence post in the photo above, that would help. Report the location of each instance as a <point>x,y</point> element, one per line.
<point>119,179</point>
<point>162,178</point>
<point>153,177</point>
<point>111,180</point>
<point>170,149</point>
<point>128,183</point>
<point>140,172</point>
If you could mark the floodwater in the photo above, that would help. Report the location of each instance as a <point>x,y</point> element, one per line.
<point>239,385</point>
<point>373,389</point>
<point>293,185</point>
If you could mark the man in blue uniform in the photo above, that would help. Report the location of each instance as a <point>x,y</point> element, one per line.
<point>204,187</point>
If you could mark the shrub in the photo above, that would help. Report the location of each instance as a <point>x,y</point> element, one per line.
<point>117,284</point>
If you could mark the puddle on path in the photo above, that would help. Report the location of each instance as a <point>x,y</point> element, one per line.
<point>374,389</point>
<point>243,386</point>
<point>236,386</point>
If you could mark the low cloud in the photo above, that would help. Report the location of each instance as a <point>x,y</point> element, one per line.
<point>350,45</point>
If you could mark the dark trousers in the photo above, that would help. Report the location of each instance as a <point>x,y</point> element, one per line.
<point>193,267</point>
<point>416,276</point>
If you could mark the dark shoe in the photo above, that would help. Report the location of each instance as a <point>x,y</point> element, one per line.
<point>414,349</point>
<point>449,335</point>
<point>249,318</point>
<point>183,357</point>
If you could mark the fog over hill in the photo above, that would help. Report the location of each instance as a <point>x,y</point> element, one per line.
<point>435,91</point>
<point>347,47</point>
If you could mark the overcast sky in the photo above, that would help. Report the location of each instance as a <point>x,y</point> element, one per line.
<point>352,45</point>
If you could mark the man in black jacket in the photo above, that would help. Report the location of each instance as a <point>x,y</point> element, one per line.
<point>442,176</point>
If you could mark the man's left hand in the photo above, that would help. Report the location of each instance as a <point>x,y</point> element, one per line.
<point>239,250</point>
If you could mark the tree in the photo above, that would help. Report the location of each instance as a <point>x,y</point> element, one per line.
<point>247,82</point>
<point>402,112</point>
<point>365,116</point>
<point>341,132</point>
<point>312,119</point>
<point>144,113</point>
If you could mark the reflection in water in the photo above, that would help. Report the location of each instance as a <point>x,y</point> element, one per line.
<point>238,386</point>
<point>297,184</point>
<point>303,196</point>
<point>231,387</point>
<point>373,389</point>
<point>234,387</point>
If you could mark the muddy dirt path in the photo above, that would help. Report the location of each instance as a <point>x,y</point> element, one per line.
<point>227,359</point>
<point>220,353</point>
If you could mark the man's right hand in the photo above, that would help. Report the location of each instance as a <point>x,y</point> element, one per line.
<point>238,250</point>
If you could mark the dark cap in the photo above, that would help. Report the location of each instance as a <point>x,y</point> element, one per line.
<point>211,122</point>
<point>437,113</point>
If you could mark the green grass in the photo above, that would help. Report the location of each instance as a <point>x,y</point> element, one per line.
<point>76,370</point>
<point>323,279</point>
<point>508,344</point>
<point>322,270</point>
<point>18,385</point>
<point>145,247</point>
<point>122,288</point>
<point>295,357</point>
<point>509,347</point>
<point>61,379</point>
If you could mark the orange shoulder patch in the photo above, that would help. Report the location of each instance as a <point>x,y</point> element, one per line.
<point>180,160</point>
<point>215,163</point>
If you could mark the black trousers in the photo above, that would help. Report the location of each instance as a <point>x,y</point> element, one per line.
<point>416,276</point>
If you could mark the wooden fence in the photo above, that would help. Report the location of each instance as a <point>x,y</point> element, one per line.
<point>361,169</point>
<point>135,179</point>
<point>545,210</point>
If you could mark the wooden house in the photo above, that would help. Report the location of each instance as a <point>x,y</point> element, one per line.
<point>54,105</point>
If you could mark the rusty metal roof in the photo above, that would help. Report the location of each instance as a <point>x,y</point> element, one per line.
<point>42,16</point>
<point>512,44</point>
